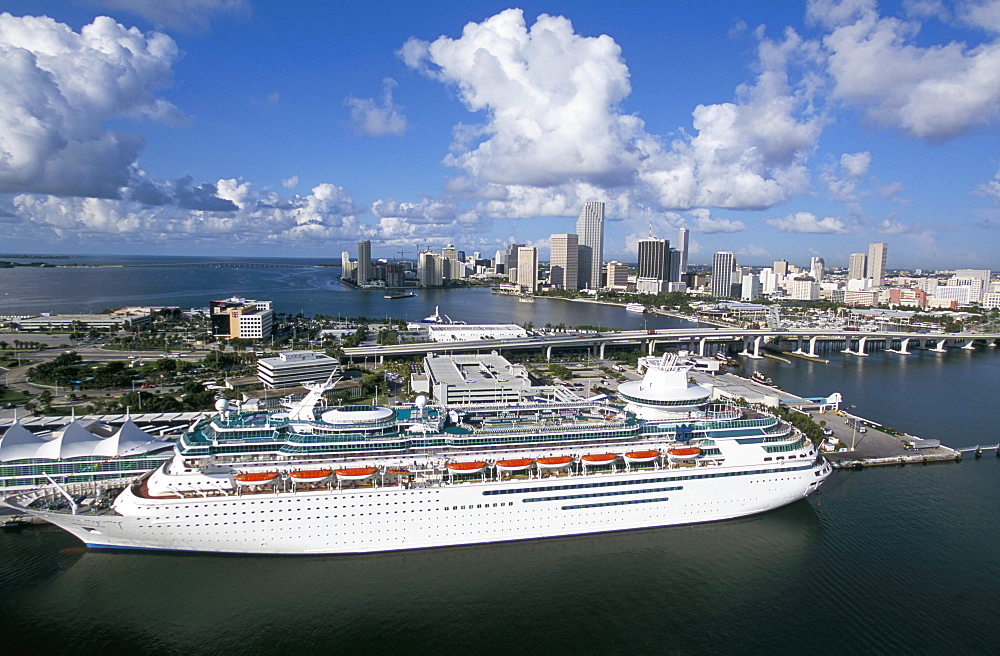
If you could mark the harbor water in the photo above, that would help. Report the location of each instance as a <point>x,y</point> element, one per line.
<point>883,561</point>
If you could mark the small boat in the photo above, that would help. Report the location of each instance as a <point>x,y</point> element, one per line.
<point>526,298</point>
<point>256,478</point>
<point>356,473</point>
<point>554,462</point>
<point>599,458</point>
<point>518,464</point>
<point>473,467</point>
<point>397,471</point>
<point>684,452</point>
<point>636,307</point>
<point>395,295</point>
<point>641,456</point>
<point>311,475</point>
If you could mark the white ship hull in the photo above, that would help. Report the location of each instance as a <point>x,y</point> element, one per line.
<point>393,518</point>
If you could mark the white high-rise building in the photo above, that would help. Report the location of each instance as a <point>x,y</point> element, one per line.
<point>682,248</point>
<point>857,265</point>
<point>512,261</point>
<point>966,276</point>
<point>527,268</point>
<point>723,266</point>
<point>877,252</point>
<point>751,288</point>
<point>590,229</point>
<point>817,268</point>
<point>563,261</point>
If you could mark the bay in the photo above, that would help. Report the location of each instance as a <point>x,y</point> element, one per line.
<point>883,561</point>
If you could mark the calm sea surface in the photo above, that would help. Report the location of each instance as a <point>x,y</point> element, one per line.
<point>884,561</point>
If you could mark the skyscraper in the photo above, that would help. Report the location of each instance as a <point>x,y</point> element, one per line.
<point>653,259</point>
<point>876,262</point>
<point>723,265</point>
<point>682,248</point>
<point>512,261</point>
<point>816,268</point>
<point>590,228</point>
<point>364,261</point>
<point>527,268</point>
<point>780,267</point>
<point>563,261</point>
<point>857,265</point>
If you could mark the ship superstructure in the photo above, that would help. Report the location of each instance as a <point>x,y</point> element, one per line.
<point>362,478</point>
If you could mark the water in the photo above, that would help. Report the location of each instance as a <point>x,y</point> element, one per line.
<point>888,560</point>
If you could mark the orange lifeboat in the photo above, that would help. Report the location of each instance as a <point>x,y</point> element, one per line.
<point>517,464</point>
<point>685,452</point>
<point>554,462</point>
<point>397,471</point>
<point>641,456</point>
<point>255,478</point>
<point>599,458</point>
<point>310,475</point>
<point>473,467</point>
<point>356,473</point>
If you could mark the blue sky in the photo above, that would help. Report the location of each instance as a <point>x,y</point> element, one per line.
<point>238,127</point>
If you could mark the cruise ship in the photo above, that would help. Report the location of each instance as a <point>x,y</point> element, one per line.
<point>365,478</point>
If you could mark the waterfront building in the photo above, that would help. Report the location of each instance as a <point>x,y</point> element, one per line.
<point>240,318</point>
<point>961,294</point>
<point>860,297</point>
<point>563,261</point>
<point>294,368</point>
<point>460,332</point>
<point>512,250</point>
<point>82,451</point>
<point>723,266</point>
<point>364,261</point>
<point>114,321</point>
<point>427,270</point>
<point>978,279</point>
<point>857,266</point>
<point>590,228</point>
<point>617,276</point>
<point>462,380</point>
<point>527,268</point>
<point>450,252</point>
<point>653,259</point>
<point>348,268</point>
<point>877,252</point>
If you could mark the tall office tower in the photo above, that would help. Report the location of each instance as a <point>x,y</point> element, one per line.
<point>563,260</point>
<point>876,262</point>
<point>348,269</point>
<point>450,252</point>
<point>857,265</point>
<point>751,289</point>
<point>723,265</point>
<point>527,268</point>
<point>500,262</point>
<point>364,261</point>
<point>590,228</point>
<point>653,259</point>
<point>512,261</point>
<point>780,267</point>
<point>816,266</point>
<point>682,247</point>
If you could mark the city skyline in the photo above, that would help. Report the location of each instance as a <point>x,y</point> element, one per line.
<point>259,128</point>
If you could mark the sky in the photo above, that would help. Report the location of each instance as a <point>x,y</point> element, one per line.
<point>780,130</point>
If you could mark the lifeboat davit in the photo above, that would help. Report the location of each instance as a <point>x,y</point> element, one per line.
<point>311,475</point>
<point>356,473</point>
<point>641,456</point>
<point>684,452</point>
<point>554,462</point>
<point>517,464</point>
<point>473,467</point>
<point>256,478</point>
<point>599,458</point>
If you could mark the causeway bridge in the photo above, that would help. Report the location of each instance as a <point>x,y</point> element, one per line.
<point>806,342</point>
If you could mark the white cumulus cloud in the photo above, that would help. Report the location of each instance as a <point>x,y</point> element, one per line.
<point>373,118</point>
<point>58,86</point>
<point>808,222</point>
<point>181,15</point>
<point>704,222</point>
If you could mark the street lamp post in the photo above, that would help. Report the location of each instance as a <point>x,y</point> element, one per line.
<point>854,426</point>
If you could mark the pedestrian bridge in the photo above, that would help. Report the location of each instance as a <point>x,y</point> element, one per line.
<point>804,342</point>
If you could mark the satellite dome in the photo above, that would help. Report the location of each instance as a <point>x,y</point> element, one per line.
<point>222,405</point>
<point>421,401</point>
